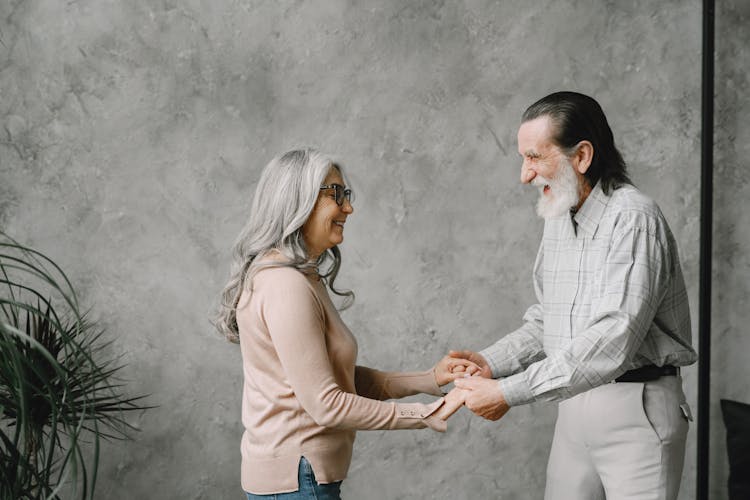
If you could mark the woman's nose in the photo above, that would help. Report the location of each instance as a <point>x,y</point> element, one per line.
<point>347,206</point>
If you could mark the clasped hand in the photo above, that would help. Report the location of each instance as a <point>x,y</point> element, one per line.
<point>474,386</point>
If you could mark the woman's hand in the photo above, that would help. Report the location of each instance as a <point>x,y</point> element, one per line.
<point>474,357</point>
<point>450,368</point>
<point>453,401</point>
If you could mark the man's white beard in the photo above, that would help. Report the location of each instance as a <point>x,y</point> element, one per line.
<point>564,191</point>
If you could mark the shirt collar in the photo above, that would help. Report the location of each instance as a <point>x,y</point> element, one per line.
<point>590,214</point>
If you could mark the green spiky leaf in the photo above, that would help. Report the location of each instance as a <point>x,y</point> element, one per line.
<point>59,390</point>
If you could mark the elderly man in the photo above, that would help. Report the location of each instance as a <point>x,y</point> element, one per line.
<point>611,327</point>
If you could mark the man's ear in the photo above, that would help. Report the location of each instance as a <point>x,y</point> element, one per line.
<point>583,156</point>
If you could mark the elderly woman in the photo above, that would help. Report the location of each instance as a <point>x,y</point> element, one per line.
<point>304,396</point>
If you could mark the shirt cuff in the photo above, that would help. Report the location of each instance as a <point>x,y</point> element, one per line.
<point>516,390</point>
<point>488,356</point>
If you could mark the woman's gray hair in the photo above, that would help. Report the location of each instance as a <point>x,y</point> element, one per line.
<point>284,198</point>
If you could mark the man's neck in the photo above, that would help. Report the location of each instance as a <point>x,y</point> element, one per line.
<point>585,192</point>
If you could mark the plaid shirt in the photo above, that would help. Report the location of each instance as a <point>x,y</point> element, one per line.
<point>611,298</point>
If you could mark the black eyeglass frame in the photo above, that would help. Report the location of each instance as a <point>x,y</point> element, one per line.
<point>340,192</point>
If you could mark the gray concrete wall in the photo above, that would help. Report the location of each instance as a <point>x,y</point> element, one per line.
<point>730,374</point>
<point>134,133</point>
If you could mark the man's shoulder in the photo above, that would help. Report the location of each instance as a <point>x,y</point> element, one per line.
<point>628,197</point>
<point>629,205</point>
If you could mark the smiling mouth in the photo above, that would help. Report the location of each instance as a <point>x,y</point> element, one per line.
<point>339,223</point>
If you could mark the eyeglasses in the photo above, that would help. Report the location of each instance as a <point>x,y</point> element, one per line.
<point>340,192</point>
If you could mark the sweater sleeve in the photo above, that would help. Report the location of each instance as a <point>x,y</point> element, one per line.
<point>295,320</point>
<point>380,385</point>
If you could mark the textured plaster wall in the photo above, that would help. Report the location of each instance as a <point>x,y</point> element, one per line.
<point>134,132</point>
<point>730,372</point>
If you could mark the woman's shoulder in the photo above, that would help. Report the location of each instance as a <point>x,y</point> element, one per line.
<point>281,287</point>
<point>275,275</point>
<point>276,271</point>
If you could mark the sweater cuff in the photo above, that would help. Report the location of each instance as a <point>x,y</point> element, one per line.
<point>418,410</point>
<point>516,390</point>
<point>422,415</point>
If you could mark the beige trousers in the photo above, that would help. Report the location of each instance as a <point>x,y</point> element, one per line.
<point>620,441</point>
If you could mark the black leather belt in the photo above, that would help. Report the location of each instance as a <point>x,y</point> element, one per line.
<point>648,372</point>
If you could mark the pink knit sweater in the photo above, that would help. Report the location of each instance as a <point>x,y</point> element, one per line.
<point>303,393</point>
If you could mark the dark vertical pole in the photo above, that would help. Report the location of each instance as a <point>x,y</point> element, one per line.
<point>704,315</point>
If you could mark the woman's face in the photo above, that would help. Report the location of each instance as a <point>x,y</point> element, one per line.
<point>325,226</point>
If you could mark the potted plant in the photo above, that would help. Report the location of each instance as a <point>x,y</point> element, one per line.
<point>59,391</point>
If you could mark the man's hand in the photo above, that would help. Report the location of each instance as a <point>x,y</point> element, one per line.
<point>454,400</point>
<point>483,397</point>
<point>474,357</point>
<point>450,368</point>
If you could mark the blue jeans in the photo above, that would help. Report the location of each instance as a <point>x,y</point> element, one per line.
<point>309,489</point>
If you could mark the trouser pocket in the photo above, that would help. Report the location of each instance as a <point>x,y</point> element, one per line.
<point>665,409</point>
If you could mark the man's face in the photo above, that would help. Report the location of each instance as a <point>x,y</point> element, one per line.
<point>546,166</point>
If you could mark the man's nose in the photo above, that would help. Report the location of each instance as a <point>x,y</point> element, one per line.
<point>527,174</point>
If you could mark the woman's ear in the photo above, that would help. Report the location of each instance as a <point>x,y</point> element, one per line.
<point>583,156</point>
